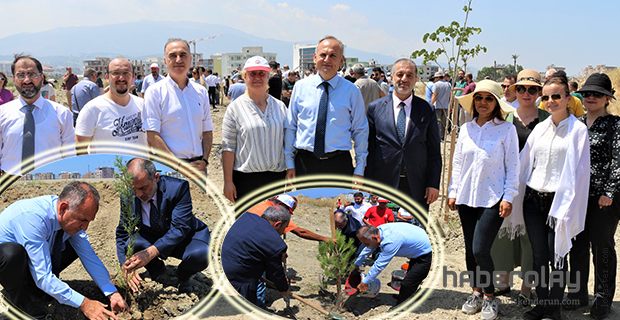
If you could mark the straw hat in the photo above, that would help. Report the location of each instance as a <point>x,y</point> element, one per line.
<point>528,77</point>
<point>488,86</point>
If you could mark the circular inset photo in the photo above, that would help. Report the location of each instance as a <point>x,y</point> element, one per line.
<point>329,252</point>
<point>107,234</point>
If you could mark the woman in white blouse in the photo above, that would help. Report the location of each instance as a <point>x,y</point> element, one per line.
<point>483,184</point>
<point>253,135</point>
<point>554,180</point>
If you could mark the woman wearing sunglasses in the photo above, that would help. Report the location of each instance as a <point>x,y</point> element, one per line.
<point>253,135</point>
<point>5,94</point>
<point>553,194</point>
<point>603,207</point>
<point>483,184</point>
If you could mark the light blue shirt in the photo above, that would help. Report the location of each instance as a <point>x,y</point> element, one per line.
<point>83,92</point>
<point>398,239</point>
<point>346,119</point>
<point>33,223</point>
<point>236,90</point>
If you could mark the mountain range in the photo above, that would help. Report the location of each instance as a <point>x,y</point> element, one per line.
<point>71,45</point>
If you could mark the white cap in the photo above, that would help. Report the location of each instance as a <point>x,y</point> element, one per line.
<point>154,65</point>
<point>287,201</point>
<point>257,63</point>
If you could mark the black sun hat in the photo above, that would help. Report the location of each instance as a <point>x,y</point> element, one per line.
<point>598,82</point>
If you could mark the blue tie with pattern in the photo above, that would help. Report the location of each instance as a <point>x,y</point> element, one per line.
<point>321,123</point>
<point>401,122</point>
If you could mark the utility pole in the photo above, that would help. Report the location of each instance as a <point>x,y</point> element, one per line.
<point>514,58</point>
<point>193,44</point>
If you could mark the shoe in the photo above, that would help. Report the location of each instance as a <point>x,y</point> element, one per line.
<point>185,286</point>
<point>600,308</point>
<point>536,313</point>
<point>524,300</point>
<point>501,292</point>
<point>489,309</point>
<point>473,304</point>
<point>555,313</point>
<point>574,303</point>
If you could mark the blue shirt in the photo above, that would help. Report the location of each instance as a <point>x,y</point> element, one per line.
<point>236,90</point>
<point>83,92</point>
<point>33,223</point>
<point>346,119</point>
<point>398,239</point>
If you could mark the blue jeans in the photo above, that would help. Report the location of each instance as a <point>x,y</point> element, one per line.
<point>536,206</point>
<point>480,226</point>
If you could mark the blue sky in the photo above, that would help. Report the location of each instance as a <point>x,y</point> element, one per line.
<point>568,33</point>
<point>83,164</point>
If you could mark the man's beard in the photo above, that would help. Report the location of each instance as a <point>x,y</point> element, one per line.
<point>29,92</point>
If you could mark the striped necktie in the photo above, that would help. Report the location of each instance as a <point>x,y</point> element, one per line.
<point>28,135</point>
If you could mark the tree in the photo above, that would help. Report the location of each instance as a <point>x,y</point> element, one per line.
<point>453,41</point>
<point>497,74</point>
<point>335,260</point>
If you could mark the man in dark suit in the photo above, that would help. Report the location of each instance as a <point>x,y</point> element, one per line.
<point>166,227</point>
<point>403,142</point>
<point>253,248</point>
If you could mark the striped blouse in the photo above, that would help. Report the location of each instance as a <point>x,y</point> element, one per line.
<point>255,137</point>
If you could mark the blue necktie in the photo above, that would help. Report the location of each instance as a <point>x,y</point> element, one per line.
<point>321,123</point>
<point>57,251</point>
<point>401,122</point>
<point>154,217</point>
<point>28,135</point>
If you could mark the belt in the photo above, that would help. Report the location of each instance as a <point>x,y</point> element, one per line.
<point>542,195</point>
<point>193,159</point>
<point>328,155</point>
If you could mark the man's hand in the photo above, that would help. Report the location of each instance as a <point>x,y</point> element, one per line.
<point>199,165</point>
<point>117,303</point>
<point>290,174</point>
<point>362,287</point>
<point>93,309</point>
<point>505,209</point>
<point>133,280</point>
<point>230,191</point>
<point>431,195</point>
<point>140,259</point>
<point>452,204</point>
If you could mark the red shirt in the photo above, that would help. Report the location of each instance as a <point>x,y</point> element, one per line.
<point>377,216</point>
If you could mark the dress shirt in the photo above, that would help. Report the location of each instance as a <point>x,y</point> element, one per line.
<point>33,223</point>
<point>549,155</point>
<point>442,89</point>
<point>255,137</point>
<point>146,210</point>
<point>485,164</point>
<point>54,129</point>
<point>398,239</point>
<point>83,92</point>
<point>149,81</point>
<point>180,116</point>
<point>346,119</point>
<point>211,80</point>
<point>395,105</point>
<point>357,211</point>
<point>236,90</point>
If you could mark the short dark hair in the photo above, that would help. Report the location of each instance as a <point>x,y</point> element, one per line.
<point>358,194</point>
<point>2,75</point>
<point>144,164</point>
<point>574,85</point>
<point>75,192</point>
<point>511,77</point>
<point>21,56</point>
<point>377,69</point>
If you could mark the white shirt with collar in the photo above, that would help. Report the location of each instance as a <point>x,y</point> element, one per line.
<point>179,116</point>
<point>395,104</point>
<point>549,156</point>
<point>53,131</point>
<point>211,80</point>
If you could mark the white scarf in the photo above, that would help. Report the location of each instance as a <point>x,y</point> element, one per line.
<point>567,215</point>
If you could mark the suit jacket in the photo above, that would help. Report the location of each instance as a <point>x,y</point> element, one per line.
<point>419,153</point>
<point>175,207</point>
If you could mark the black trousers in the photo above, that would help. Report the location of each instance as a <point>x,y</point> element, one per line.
<point>193,253</point>
<point>600,228</point>
<point>418,271</point>
<point>480,227</point>
<point>337,162</point>
<point>16,279</point>
<point>212,97</point>
<point>536,206</point>
<point>246,182</point>
<point>403,186</point>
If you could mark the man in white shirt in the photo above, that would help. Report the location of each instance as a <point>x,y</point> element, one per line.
<point>177,116</point>
<point>32,125</point>
<point>358,208</point>
<point>151,79</point>
<point>116,116</point>
<point>211,81</point>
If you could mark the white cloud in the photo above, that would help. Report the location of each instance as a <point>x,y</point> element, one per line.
<point>282,5</point>
<point>340,7</point>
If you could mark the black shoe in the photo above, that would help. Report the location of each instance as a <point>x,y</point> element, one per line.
<point>574,303</point>
<point>553,314</point>
<point>502,292</point>
<point>185,286</point>
<point>600,309</point>
<point>536,313</point>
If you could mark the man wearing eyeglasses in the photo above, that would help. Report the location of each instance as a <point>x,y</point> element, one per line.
<point>177,115</point>
<point>31,124</point>
<point>114,117</point>
<point>510,95</point>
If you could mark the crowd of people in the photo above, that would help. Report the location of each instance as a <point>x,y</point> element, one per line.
<point>535,171</point>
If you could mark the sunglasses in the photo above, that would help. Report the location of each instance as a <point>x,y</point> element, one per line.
<point>553,97</point>
<point>532,90</point>
<point>589,94</point>
<point>504,86</point>
<point>488,99</point>
<point>529,79</point>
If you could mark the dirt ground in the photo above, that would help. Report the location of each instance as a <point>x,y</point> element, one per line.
<point>161,302</point>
